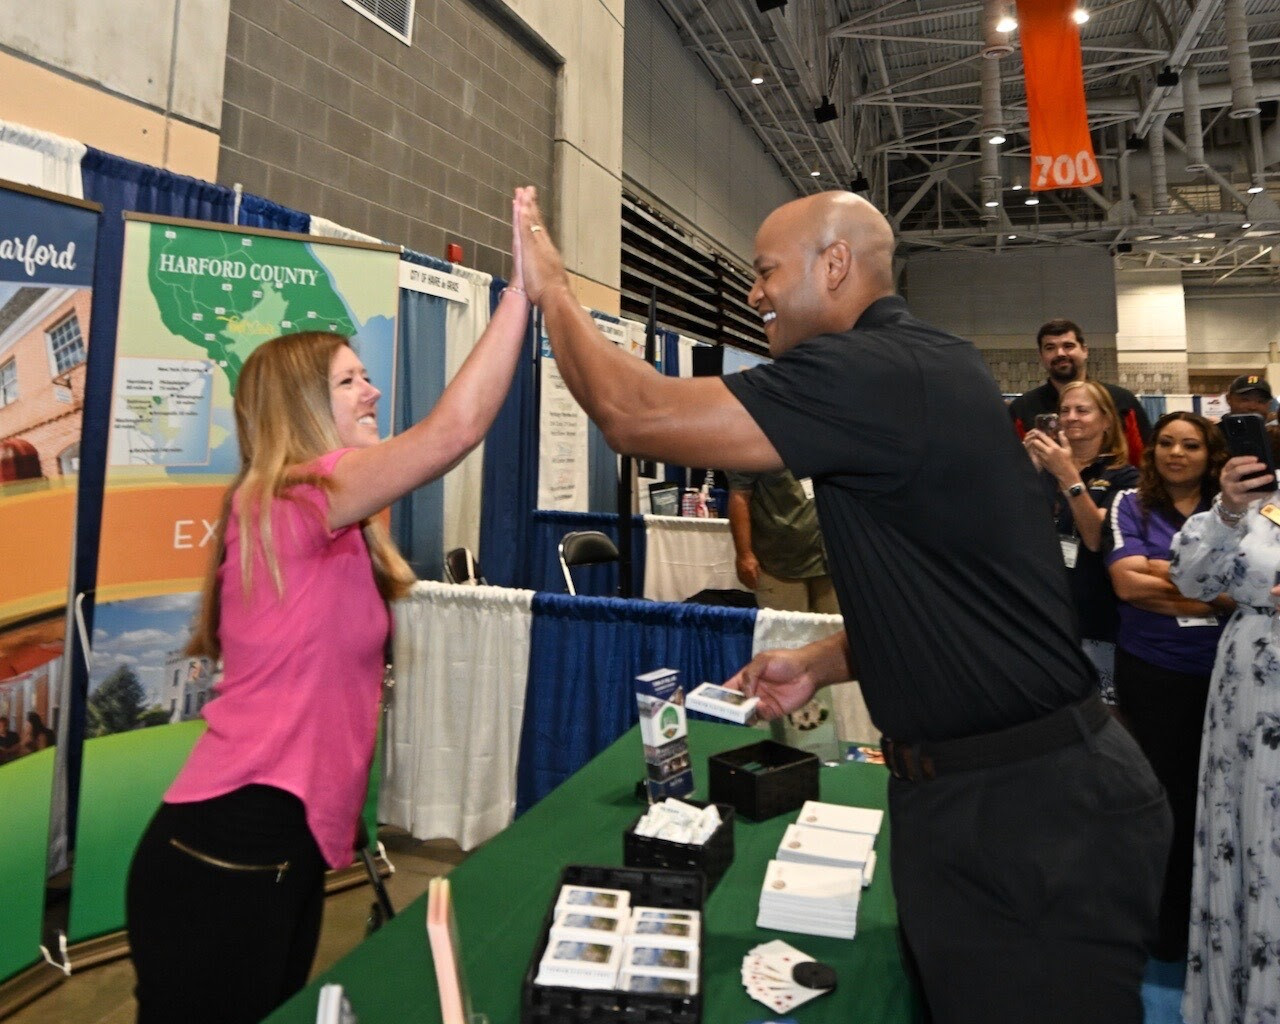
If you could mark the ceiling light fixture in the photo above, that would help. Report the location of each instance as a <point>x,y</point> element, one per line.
<point>1196,259</point>
<point>991,203</point>
<point>860,183</point>
<point>1246,225</point>
<point>1079,15</point>
<point>1016,186</point>
<point>1256,187</point>
<point>1012,237</point>
<point>825,111</point>
<point>756,71</point>
<point>1007,23</point>
<point>1031,201</point>
<point>815,174</point>
<point>1167,78</point>
<point>996,138</point>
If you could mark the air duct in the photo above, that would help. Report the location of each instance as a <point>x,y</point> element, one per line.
<point>1257,166</point>
<point>1159,173</point>
<point>997,43</point>
<point>1192,127</point>
<point>992,112</point>
<point>1244,100</point>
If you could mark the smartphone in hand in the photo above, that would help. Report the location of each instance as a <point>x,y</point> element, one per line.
<point>1047,423</point>
<point>1246,434</point>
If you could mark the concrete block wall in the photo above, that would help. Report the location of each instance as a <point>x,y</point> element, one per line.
<point>419,145</point>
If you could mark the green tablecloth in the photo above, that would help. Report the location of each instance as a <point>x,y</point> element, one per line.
<point>503,890</point>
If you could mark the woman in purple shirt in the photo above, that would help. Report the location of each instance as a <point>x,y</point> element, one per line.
<point>1167,642</point>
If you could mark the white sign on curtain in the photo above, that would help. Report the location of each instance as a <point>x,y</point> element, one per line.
<point>615,331</point>
<point>417,278</point>
<point>562,441</point>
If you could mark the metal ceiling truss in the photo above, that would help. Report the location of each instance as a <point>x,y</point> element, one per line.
<point>905,79</point>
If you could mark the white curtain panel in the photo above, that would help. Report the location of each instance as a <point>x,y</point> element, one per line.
<point>686,555</point>
<point>32,157</point>
<point>453,731</point>
<point>795,629</point>
<point>464,485</point>
<point>329,229</point>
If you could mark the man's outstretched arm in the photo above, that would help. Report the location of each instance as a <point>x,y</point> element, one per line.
<point>690,422</point>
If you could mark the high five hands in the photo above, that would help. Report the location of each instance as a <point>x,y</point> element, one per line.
<point>540,261</point>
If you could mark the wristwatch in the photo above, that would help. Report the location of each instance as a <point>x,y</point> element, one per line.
<point>1075,490</point>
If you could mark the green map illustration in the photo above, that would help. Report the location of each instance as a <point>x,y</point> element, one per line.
<point>227,293</point>
<point>196,301</point>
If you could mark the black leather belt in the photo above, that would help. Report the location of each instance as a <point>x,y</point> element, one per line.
<point>922,761</point>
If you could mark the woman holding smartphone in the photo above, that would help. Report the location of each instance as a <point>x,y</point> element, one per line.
<point>1084,463</point>
<point>1232,972</point>
<point>1167,642</point>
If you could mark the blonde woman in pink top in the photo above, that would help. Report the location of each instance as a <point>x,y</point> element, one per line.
<point>226,889</point>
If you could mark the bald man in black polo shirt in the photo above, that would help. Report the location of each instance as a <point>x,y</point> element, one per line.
<point>1028,833</point>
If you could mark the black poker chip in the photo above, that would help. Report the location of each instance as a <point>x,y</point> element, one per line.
<point>814,974</point>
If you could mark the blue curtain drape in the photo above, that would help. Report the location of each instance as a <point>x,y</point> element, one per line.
<point>1154,406</point>
<point>511,472</point>
<point>602,472</point>
<point>602,461</point>
<point>548,526</point>
<point>119,185</point>
<point>259,212</point>
<point>584,654</point>
<point>417,519</point>
<point>670,342</point>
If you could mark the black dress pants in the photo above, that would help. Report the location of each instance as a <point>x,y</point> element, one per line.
<point>1165,712</point>
<point>224,903</point>
<point>1028,892</point>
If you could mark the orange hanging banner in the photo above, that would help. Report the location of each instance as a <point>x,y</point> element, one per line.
<point>1061,150</point>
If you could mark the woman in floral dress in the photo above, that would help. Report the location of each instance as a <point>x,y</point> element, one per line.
<point>1233,960</point>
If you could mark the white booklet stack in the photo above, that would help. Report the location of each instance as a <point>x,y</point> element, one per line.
<point>823,846</point>
<point>598,940</point>
<point>810,898</point>
<point>584,948</point>
<point>823,863</point>
<point>851,823</point>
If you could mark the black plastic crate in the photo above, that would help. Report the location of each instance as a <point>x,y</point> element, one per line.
<point>712,858</point>
<point>649,887</point>
<point>763,779</point>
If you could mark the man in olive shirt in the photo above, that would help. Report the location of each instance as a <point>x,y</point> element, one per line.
<point>778,544</point>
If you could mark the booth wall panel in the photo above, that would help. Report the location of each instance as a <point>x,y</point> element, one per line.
<point>418,144</point>
<point>684,146</point>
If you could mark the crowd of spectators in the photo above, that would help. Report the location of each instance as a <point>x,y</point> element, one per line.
<point>1174,568</point>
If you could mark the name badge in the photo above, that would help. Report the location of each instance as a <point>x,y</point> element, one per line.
<point>1070,550</point>
<point>806,485</point>
<point>1187,620</point>
<point>1272,512</point>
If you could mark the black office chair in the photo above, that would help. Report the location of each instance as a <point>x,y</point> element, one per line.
<point>585,547</point>
<point>460,566</point>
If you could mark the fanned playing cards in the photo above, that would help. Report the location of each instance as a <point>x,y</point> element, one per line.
<point>782,977</point>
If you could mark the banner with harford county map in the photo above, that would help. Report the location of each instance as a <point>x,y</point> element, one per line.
<point>47,245</point>
<point>195,300</point>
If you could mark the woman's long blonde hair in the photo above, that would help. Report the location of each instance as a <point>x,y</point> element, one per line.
<point>284,420</point>
<point>1114,443</point>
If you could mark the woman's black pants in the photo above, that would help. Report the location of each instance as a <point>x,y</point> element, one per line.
<point>224,903</point>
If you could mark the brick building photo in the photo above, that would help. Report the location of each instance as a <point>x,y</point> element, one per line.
<point>43,344</point>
